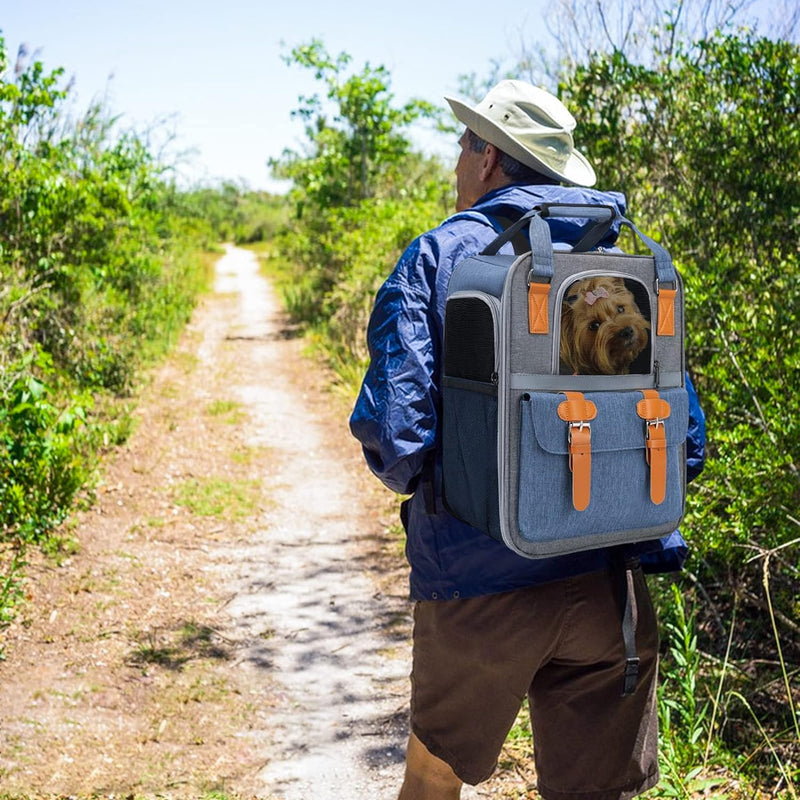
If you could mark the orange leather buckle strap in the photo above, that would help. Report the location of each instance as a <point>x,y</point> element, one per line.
<point>666,312</point>
<point>538,294</point>
<point>654,410</point>
<point>577,412</point>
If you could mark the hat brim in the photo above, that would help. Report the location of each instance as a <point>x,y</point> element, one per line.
<point>577,170</point>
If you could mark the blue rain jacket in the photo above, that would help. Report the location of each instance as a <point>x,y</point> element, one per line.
<point>396,414</point>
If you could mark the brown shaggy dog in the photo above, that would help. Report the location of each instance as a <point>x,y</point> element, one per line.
<point>602,328</point>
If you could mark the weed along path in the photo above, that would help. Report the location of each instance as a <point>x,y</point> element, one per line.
<point>229,619</point>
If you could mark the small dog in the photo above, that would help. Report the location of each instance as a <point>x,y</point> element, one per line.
<point>602,328</point>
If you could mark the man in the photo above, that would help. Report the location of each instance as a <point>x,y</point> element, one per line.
<point>491,626</point>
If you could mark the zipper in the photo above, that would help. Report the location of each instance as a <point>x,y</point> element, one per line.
<point>503,402</point>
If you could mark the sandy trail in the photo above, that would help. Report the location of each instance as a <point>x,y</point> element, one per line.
<point>340,728</point>
<point>254,651</point>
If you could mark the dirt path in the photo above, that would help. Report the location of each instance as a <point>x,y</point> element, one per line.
<point>234,618</point>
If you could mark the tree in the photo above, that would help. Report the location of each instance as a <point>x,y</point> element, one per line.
<point>356,151</point>
<point>360,192</point>
<point>704,148</point>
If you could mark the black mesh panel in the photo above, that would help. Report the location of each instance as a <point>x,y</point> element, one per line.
<point>468,339</point>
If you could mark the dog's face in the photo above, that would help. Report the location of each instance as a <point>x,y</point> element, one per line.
<point>602,328</point>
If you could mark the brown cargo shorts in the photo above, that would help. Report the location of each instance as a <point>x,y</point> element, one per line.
<point>561,644</point>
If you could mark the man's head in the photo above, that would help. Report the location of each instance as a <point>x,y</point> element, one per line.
<point>517,133</point>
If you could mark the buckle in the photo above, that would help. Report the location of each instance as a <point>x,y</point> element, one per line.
<point>537,278</point>
<point>669,285</point>
<point>631,676</point>
<point>654,424</point>
<point>632,666</point>
<point>578,426</point>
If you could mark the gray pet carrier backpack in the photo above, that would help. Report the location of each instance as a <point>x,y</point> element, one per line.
<point>542,459</point>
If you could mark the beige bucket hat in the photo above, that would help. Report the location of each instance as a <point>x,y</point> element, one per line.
<point>530,125</point>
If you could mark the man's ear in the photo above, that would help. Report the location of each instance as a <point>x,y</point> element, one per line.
<point>491,159</point>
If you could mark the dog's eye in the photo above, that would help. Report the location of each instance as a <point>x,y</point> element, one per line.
<point>620,309</point>
<point>594,325</point>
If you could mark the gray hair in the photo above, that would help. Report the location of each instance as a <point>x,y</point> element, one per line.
<point>513,169</point>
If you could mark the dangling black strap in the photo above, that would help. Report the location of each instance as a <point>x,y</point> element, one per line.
<point>624,569</point>
<point>629,621</point>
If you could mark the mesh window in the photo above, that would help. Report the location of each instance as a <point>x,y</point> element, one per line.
<point>605,327</point>
<point>468,339</point>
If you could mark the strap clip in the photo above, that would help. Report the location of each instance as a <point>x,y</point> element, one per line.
<point>631,676</point>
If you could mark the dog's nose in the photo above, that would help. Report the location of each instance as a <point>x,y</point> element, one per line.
<point>627,333</point>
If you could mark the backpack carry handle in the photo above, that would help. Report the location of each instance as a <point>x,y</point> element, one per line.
<point>542,252</point>
<point>603,217</point>
<point>584,210</point>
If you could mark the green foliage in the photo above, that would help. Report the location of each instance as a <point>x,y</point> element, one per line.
<point>683,715</point>
<point>41,467</point>
<point>359,150</point>
<point>335,263</point>
<point>361,195</point>
<point>704,141</point>
<point>236,214</point>
<point>98,272</point>
<point>11,586</point>
<point>703,144</point>
<point>83,226</point>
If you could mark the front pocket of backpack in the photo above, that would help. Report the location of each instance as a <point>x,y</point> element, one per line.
<point>620,502</point>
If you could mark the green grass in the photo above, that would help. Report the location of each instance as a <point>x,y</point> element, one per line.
<point>251,454</point>
<point>12,564</point>
<point>229,411</point>
<point>228,500</point>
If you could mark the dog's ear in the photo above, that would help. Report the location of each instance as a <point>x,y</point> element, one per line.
<point>573,294</point>
<point>568,360</point>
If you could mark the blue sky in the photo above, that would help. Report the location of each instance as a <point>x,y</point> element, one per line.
<point>215,68</point>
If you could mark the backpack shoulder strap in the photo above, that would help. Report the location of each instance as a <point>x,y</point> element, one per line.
<point>519,240</point>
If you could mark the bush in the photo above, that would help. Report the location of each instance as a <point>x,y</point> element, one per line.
<point>702,142</point>
<point>100,268</point>
<point>41,468</point>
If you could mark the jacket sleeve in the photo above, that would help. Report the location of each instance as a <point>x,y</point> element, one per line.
<point>395,414</point>
<point>696,437</point>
